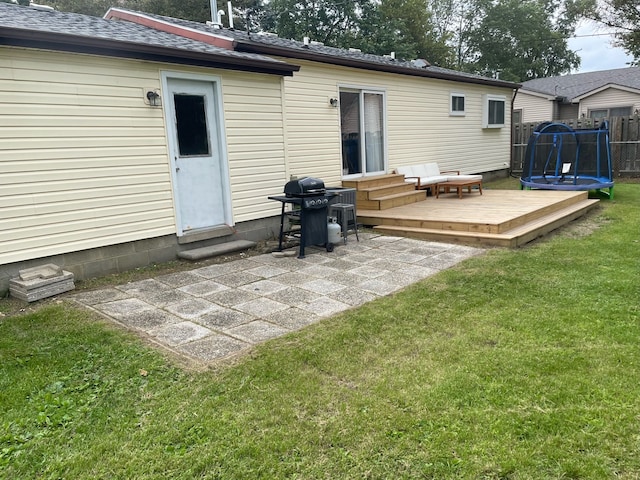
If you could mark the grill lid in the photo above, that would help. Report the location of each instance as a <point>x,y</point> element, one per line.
<point>305,186</point>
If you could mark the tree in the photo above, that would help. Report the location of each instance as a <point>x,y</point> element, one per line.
<point>519,40</point>
<point>453,21</point>
<point>623,15</point>
<point>326,21</point>
<point>403,27</point>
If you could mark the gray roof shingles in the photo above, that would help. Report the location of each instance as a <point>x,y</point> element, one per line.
<point>578,84</point>
<point>64,23</point>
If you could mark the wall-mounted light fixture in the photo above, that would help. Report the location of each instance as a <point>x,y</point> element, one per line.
<point>333,102</point>
<point>152,97</point>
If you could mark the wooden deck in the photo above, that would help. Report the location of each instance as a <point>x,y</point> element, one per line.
<point>508,218</point>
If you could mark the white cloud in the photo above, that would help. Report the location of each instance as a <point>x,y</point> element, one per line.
<point>597,52</point>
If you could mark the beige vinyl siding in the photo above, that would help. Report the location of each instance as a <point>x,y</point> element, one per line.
<point>83,159</point>
<point>534,108</point>
<point>419,127</point>
<point>255,142</point>
<point>610,98</point>
<point>85,162</point>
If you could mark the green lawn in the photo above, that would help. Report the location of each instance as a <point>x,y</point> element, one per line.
<point>520,364</point>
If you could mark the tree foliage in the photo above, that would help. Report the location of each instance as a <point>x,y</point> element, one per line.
<point>624,16</point>
<point>519,40</point>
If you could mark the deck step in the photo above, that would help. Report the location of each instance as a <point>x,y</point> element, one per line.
<point>216,250</point>
<point>383,191</point>
<point>371,193</point>
<point>395,200</point>
<point>370,182</point>
<point>512,238</point>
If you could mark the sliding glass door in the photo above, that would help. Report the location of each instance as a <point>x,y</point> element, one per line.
<point>362,124</point>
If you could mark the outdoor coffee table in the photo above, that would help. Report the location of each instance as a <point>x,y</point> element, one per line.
<point>459,185</point>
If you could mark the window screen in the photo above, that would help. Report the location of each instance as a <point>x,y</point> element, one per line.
<point>457,103</point>
<point>496,112</point>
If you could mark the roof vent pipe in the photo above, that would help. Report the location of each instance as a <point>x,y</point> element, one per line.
<point>230,10</point>
<point>393,55</point>
<point>305,41</point>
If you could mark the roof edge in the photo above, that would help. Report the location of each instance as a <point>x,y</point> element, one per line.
<point>65,42</point>
<point>536,93</point>
<point>624,88</point>
<point>254,47</point>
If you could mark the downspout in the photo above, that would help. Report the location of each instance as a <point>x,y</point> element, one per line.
<point>513,99</point>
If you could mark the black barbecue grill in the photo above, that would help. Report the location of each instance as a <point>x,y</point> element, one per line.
<point>310,202</point>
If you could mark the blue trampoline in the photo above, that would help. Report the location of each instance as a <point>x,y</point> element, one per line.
<point>561,158</point>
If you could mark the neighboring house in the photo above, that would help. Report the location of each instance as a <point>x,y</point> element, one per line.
<point>130,138</point>
<point>607,93</point>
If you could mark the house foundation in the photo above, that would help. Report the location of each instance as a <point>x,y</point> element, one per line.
<point>99,262</point>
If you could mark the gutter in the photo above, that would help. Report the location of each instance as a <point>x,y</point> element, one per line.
<point>260,48</point>
<point>513,101</point>
<point>115,48</point>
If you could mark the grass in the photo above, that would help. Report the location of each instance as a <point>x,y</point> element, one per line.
<point>520,364</point>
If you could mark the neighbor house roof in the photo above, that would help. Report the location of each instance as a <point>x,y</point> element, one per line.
<point>53,30</point>
<point>581,84</point>
<point>269,44</point>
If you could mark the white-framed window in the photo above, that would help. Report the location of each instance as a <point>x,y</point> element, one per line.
<point>493,111</point>
<point>456,104</point>
<point>516,116</point>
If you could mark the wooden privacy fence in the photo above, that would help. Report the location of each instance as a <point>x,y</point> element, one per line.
<point>624,136</point>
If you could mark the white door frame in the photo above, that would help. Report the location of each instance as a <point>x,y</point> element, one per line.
<point>218,141</point>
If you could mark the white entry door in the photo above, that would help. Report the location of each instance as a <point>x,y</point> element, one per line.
<point>198,159</point>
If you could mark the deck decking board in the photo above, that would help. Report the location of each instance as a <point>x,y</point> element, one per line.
<point>499,217</point>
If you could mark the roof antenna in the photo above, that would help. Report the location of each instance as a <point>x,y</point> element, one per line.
<point>215,16</point>
<point>230,9</point>
<point>247,22</point>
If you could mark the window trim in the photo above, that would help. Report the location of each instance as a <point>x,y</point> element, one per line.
<point>519,111</point>
<point>608,110</point>
<point>489,97</point>
<point>457,113</point>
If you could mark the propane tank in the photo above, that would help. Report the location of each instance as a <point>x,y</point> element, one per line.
<point>333,230</point>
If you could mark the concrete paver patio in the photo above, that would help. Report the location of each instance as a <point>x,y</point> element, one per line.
<point>211,312</point>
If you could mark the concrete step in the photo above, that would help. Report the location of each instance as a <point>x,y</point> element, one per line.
<point>216,250</point>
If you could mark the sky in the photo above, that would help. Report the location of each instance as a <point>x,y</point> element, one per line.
<point>596,52</point>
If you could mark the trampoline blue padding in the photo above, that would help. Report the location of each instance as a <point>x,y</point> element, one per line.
<point>561,158</point>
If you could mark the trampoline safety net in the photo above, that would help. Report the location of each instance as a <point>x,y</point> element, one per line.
<point>561,158</point>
